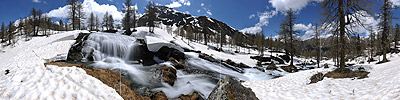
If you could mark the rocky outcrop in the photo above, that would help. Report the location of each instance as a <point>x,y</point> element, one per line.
<point>231,89</point>
<point>75,52</point>
<point>176,64</point>
<point>271,67</point>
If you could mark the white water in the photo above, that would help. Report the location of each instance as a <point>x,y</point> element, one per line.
<point>113,51</point>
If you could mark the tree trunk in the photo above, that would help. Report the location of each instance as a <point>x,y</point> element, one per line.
<point>341,31</point>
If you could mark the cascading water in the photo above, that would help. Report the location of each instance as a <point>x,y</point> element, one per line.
<point>117,52</point>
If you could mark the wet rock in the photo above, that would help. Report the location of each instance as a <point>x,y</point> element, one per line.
<point>176,64</point>
<point>271,67</point>
<point>159,96</point>
<point>194,96</point>
<point>260,69</point>
<point>240,65</point>
<point>326,65</point>
<point>75,52</point>
<point>231,89</point>
<point>289,68</point>
<point>168,75</point>
<point>165,53</point>
<point>207,57</point>
<point>285,57</point>
<point>144,91</point>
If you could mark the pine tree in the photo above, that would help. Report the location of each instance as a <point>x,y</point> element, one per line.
<point>110,22</point>
<point>290,23</point>
<point>11,29</point>
<point>386,14</point>
<point>72,12</point>
<point>105,21</point>
<point>318,44</point>
<point>91,21</point>
<point>97,23</point>
<point>128,22</point>
<point>61,27</point>
<point>151,10</point>
<point>81,15</point>
<point>336,11</point>
<point>3,32</point>
<point>396,35</point>
<point>20,25</point>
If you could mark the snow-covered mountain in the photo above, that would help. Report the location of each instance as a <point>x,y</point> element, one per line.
<point>169,16</point>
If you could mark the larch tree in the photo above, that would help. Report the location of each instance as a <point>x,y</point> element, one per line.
<point>91,22</point>
<point>10,35</point>
<point>110,22</point>
<point>72,12</point>
<point>386,16</point>
<point>105,21</point>
<point>342,13</point>
<point>290,18</point>
<point>81,15</point>
<point>3,32</point>
<point>396,35</point>
<point>151,10</point>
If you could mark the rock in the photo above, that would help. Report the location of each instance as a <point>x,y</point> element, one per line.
<point>278,59</point>
<point>285,57</point>
<point>165,53</point>
<point>231,89</point>
<point>159,96</point>
<point>289,68</point>
<point>240,65</point>
<point>194,96</point>
<point>271,67</point>
<point>317,77</point>
<point>176,64</point>
<point>207,57</point>
<point>168,75</point>
<point>326,65</point>
<point>7,71</point>
<point>75,52</point>
<point>260,69</point>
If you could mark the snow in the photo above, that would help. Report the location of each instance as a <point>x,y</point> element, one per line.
<point>30,79</point>
<point>382,84</point>
<point>154,44</point>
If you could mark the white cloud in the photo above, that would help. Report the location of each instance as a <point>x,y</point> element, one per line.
<point>185,2</point>
<point>263,21</point>
<point>209,12</point>
<point>395,2</point>
<point>252,16</point>
<point>296,5</point>
<point>36,1</point>
<point>89,7</point>
<point>202,4</point>
<point>198,11</point>
<point>174,5</point>
<point>297,27</point>
<point>253,30</point>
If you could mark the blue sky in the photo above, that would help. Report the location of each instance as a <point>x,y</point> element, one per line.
<point>240,14</point>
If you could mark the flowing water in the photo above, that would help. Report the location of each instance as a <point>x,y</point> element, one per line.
<point>116,52</point>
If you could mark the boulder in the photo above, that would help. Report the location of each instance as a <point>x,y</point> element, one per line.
<point>194,96</point>
<point>176,64</point>
<point>207,57</point>
<point>285,57</point>
<point>231,89</point>
<point>289,68</point>
<point>75,52</point>
<point>168,75</point>
<point>159,96</point>
<point>271,67</point>
<point>165,53</point>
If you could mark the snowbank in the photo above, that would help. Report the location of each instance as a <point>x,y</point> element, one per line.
<point>30,79</point>
<point>154,44</point>
<point>382,84</point>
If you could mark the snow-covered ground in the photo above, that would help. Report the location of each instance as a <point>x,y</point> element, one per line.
<point>382,84</point>
<point>29,79</point>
